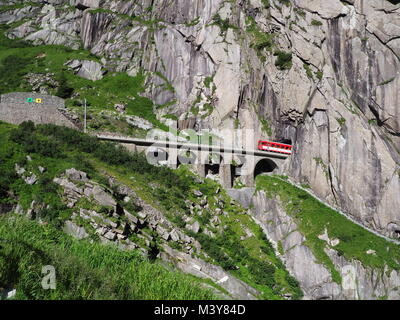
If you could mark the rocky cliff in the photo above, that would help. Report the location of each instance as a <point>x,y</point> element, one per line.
<point>323,75</point>
<point>357,280</point>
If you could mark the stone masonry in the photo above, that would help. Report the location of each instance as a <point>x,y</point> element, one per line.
<point>18,107</point>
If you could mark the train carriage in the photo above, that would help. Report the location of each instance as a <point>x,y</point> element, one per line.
<point>274,147</point>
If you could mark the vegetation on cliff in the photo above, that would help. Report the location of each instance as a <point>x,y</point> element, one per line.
<point>20,60</point>
<point>313,218</point>
<point>235,243</point>
<point>84,270</point>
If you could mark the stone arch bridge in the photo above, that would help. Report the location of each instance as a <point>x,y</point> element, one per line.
<point>228,162</point>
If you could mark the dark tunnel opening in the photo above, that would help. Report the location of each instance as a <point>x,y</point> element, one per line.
<point>286,141</point>
<point>212,168</point>
<point>264,166</point>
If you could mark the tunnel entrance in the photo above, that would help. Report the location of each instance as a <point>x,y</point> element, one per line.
<point>264,166</point>
<point>286,141</point>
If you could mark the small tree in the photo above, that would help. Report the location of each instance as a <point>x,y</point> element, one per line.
<point>64,90</point>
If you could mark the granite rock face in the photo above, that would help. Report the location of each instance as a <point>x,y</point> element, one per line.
<point>358,281</point>
<point>221,64</point>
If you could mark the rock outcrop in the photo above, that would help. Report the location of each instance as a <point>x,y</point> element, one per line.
<point>358,281</point>
<point>87,69</point>
<point>219,64</point>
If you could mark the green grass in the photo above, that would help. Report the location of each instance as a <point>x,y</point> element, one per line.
<point>223,24</point>
<point>83,270</point>
<point>284,60</point>
<point>58,148</point>
<point>341,121</point>
<point>261,41</point>
<point>313,217</point>
<point>308,71</point>
<point>266,4</point>
<point>18,58</point>
<point>265,126</point>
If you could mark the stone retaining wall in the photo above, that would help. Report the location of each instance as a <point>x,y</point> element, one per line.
<point>18,107</point>
<point>33,100</point>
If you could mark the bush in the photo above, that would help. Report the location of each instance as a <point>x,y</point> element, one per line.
<point>222,23</point>
<point>64,89</point>
<point>316,22</point>
<point>31,143</point>
<point>12,70</point>
<point>262,273</point>
<point>284,60</point>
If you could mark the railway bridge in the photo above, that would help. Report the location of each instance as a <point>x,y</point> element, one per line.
<point>226,161</point>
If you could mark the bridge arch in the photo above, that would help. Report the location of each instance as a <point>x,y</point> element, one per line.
<point>264,165</point>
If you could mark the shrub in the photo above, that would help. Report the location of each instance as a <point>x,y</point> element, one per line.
<point>316,23</point>
<point>266,3</point>
<point>222,23</point>
<point>12,70</point>
<point>64,90</point>
<point>262,273</point>
<point>284,60</point>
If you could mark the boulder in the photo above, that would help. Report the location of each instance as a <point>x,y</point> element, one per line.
<point>74,230</point>
<point>91,70</point>
<point>103,197</point>
<point>19,170</point>
<point>110,235</point>
<point>41,169</point>
<point>119,107</point>
<point>197,193</point>
<point>195,227</point>
<point>77,175</point>
<point>31,180</point>
<point>87,69</point>
<point>174,235</point>
<point>139,122</point>
<point>163,233</point>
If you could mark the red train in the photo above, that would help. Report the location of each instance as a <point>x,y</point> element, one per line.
<point>274,147</point>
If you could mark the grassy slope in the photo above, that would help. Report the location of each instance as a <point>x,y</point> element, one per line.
<point>313,217</point>
<point>85,271</point>
<point>18,58</point>
<point>58,148</point>
<point>255,257</point>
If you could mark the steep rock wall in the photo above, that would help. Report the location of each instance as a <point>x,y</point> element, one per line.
<point>358,281</point>
<point>218,64</point>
